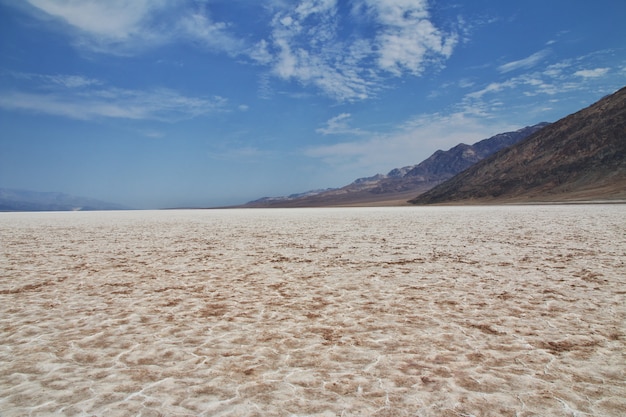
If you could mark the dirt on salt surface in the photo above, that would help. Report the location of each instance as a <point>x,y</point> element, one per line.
<point>447,311</point>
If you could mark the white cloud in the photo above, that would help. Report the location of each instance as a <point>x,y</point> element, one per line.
<point>260,53</point>
<point>58,80</point>
<point>128,26</point>
<point>408,40</point>
<point>524,95</point>
<point>557,70</point>
<point>115,26</point>
<point>214,35</point>
<point>492,88</point>
<point>525,63</point>
<point>309,7</point>
<point>305,45</point>
<point>592,73</point>
<point>73,81</point>
<point>556,78</point>
<point>82,98</point>
<point>466,83</point>
<point>118,19</point>
<point>160,105</point>
<point>307,41</point>
<point>338,125</point>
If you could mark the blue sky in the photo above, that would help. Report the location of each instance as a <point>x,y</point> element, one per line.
<point>162,103</point>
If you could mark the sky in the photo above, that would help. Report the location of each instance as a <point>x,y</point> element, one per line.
<point>204,103</point>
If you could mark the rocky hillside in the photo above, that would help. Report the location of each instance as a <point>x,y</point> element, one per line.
<point>581,157</point>
<point>443,165</point>
<point>400,184</point>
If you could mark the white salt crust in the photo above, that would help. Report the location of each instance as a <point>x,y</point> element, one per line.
<point>447,311</point>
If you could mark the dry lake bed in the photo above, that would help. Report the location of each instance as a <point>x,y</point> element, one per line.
<point>412,311</point>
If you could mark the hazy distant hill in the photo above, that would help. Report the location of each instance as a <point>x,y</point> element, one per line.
<point>22,200</point>
<point>401,184</point>
<point>580,157</point>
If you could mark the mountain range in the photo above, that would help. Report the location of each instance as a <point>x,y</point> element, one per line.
<point>581,157</point>
<point>22,200</point>
<point>401,184</point>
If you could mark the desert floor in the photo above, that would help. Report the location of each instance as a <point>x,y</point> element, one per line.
<point>438,311</point>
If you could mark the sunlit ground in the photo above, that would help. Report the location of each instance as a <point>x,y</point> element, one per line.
<point>457,311</point>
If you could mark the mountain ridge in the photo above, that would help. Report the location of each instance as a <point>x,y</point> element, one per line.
<point>401,184</point>
<point>581,157</point>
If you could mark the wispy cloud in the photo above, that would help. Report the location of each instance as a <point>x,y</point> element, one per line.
<point>338,125</point>
<point>408,40</point>
<point>493,87</point>
<point>115,19</point>
<point>126,27</point>
<point>592,73</point>
<point>525,63</point>
<point>83,98</point>
<point>214,35</point>
<point>117,26</point>
<point>554,81</point>
<point>163,105</point>
<point>56,80</point>
<point>305,45</point>
<point>242,153</point>
<point>485,109</point>
<point>153,134</point>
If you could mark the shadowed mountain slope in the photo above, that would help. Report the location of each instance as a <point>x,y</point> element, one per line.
<point>579,158</point>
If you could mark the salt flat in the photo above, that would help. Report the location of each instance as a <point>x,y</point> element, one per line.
<point>438,311</point>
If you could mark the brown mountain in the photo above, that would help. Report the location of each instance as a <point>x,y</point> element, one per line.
<point>400,184</point>
<point>581,157</point>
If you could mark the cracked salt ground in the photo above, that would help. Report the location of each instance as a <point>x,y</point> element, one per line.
<point>458,311</point>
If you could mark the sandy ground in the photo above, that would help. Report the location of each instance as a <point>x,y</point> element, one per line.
<point>446,311</point>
